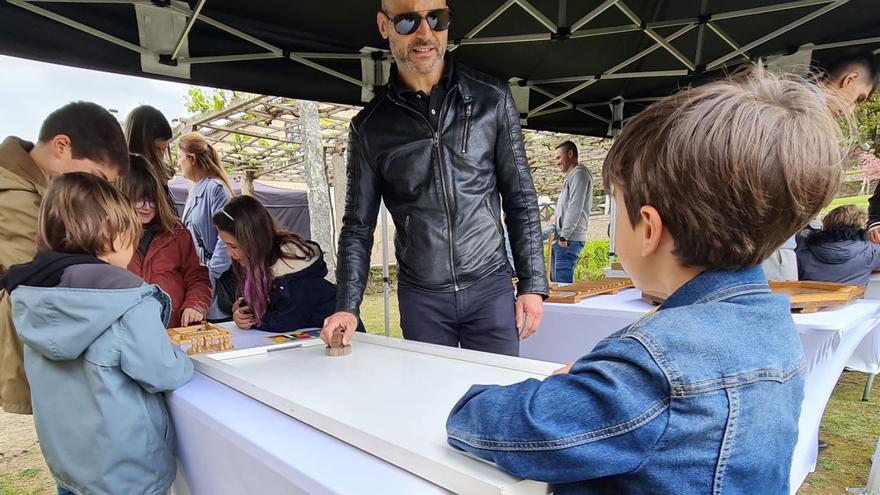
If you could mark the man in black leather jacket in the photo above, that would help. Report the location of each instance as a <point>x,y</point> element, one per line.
<point>442,146</point>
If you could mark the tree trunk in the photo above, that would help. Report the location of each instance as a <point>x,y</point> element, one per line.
<point>320,212</point>
<point>340,184</point>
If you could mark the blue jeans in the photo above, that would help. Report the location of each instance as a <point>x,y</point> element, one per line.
<point>64,491</point>
<point>564,261</point>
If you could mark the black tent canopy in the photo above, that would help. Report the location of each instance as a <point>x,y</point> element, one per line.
<point>578,66</point>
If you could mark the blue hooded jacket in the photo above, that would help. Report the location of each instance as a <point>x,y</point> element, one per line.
<point>97,358</point>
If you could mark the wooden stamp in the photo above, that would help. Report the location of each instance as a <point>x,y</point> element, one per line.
<point>336,349</point>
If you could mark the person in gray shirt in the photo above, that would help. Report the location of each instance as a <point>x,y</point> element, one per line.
<point>572,212</point>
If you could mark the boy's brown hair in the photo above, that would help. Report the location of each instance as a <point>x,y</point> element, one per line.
<point>845,217</point>
<point>83,214</point>
<point>734,167</point>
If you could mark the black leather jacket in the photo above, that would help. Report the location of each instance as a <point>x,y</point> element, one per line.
<point>444,189</point>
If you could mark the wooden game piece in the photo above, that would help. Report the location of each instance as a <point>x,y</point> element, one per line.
<point>336,349</point>
<point>202,338</point>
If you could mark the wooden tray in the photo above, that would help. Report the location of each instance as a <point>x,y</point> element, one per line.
<point>809,297</point>
<point>806,296</point>
<point>575,292</point>
<point>202,338</point>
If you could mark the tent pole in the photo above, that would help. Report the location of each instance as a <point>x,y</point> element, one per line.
<point>616,126</point>
<point>386,280</point>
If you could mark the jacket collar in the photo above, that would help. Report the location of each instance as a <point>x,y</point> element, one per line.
<point>718,285</point>
<point>202,186</point>
<point>14,157</point>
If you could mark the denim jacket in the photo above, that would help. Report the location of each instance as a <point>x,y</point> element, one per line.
<point>207,198</point>
<point>701,396</point>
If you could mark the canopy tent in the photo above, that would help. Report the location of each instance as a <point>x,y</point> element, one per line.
<point>289,207</point>
<point>581,67</point>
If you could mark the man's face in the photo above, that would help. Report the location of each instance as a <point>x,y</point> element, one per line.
<point>421,52</point>
<point>95,168</point>
<point>559,158</point>
<point>855,87</point>
<point>62,153</point>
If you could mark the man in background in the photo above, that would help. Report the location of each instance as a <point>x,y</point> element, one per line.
<point>572,212</point>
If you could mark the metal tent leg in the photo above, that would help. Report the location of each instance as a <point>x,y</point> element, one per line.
<point>867,394</point>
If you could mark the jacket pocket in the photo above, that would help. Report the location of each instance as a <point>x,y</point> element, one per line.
<point>466,130</point>
<point>494,218</point>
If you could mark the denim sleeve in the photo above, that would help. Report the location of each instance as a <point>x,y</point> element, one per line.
<point>220,260</point>
<point>602,419</point>
<point>147,355</point>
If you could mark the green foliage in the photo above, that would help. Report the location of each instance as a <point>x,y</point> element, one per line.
<point>28,473</point>
<point>593,260</point>
<point>868,118</point>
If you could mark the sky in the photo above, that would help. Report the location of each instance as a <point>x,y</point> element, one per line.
<point>29,91</point>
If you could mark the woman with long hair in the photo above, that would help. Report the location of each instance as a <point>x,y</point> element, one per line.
<point>165,254</point>
<point>148,134</point>
<point>280,275</point>
<point>200,163</point>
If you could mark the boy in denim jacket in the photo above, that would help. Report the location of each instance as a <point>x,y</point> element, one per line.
<point>702,395</point>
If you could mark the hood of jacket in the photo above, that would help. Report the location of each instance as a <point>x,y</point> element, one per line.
<point>295,268</point>
<point>17,169</point>
<point>837,246</point>
<point>88,295</point>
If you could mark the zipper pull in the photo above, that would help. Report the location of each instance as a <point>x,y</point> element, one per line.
<point>467,110</point>
<point>436,139</point>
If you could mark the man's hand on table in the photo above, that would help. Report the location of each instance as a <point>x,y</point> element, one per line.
<point>341,319</point>
<point>529,310</point>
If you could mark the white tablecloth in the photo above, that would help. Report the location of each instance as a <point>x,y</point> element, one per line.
<point>829,337</point>
<point>228,443</point>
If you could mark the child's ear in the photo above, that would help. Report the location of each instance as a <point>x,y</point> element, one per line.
<point>652,230</point>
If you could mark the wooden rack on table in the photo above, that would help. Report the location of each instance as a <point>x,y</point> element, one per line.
<point>577,291</point>
<point>202,338</point>
<point>806,296</point>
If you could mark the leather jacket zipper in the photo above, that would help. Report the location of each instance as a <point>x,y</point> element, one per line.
<point>436,143</point>
<point>465,133</point>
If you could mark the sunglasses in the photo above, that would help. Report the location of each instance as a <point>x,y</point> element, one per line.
<point>409,22</point>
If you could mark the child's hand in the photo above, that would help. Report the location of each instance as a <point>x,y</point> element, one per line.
<point>242,315</point>
<point>190,316</point>
<point>564,370</point>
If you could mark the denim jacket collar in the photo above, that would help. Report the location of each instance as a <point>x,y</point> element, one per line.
<point>717,285</point>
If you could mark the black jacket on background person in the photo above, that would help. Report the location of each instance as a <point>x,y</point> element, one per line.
<point>444,189</point>
<point>874,209</point>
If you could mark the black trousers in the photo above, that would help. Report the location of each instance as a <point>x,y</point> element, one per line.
<point>480,317</point>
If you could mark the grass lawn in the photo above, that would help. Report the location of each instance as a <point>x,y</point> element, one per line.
<point>860,201</point>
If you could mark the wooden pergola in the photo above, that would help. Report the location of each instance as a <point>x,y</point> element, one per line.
<point>260,136</point>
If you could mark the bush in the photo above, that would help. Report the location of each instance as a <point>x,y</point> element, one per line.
<point>592,261</point>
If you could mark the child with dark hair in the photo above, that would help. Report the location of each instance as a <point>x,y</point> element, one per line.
<point>96,352</point>
<point>80,136</point>
<point>839,252</point>
<point>280,275</point>
<point>165,254</point>
<point>702,395</point>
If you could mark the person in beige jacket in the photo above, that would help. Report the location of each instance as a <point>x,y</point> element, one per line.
<point>79,137</point>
